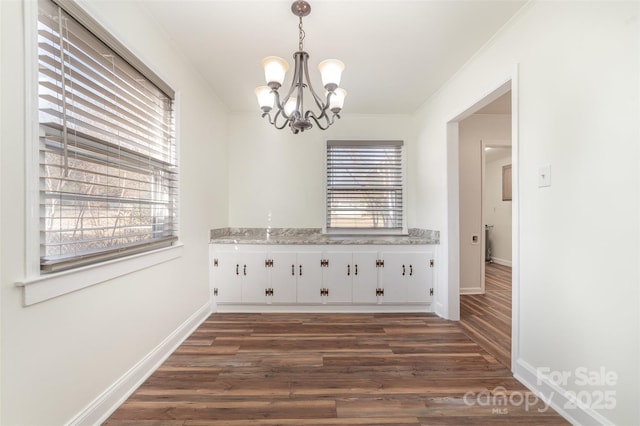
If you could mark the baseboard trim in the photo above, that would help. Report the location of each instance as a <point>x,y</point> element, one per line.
<point>329,308</point>
<point>471,290</point>
<point>502,262</point>
<point>104,405</point>
<point>557,397</point>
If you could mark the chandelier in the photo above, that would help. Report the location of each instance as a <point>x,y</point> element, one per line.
<point>289,111</point>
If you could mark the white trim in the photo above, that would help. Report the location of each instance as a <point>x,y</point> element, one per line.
<point>106,403</point>
<point>555,396</point>
<point>493,92</point>
<point>1,197</point>
<point>448,298</point>
<point>452,305</point>
<point>502,262</point>
<point>471,290</point>
<point>45,287</point>
<point>515,217</point>
<point>31,149</point>
<point>333,309</point>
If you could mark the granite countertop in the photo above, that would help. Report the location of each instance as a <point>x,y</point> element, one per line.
<point>311,236</point>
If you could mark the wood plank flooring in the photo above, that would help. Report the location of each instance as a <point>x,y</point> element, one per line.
<point>331,369</point>
<point>486,318</point>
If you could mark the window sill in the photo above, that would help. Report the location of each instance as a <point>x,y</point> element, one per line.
<point>45,287</point>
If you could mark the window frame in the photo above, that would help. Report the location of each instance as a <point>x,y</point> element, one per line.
<point>39,286</point>
<point>365,231</point>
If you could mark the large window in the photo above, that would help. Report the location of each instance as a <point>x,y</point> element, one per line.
<point>108,167</point>
<point>365,186</point>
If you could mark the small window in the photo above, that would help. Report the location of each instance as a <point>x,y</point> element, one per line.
<point>365,187</point>
<point>108,167</point>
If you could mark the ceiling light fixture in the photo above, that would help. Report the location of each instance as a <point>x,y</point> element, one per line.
<point>290,111</point>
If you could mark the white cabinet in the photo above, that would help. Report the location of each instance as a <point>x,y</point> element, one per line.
<point>238,275</point>
<point>337,277</point>
<point>313,275</point>
<point>309,276</point>
<point>282,278</point>
<point>365,279</point>
<point>350,277</point>
<point>333,276</point>
<point>295,276</point>
<point>406,277</point>
<point>252,270</point>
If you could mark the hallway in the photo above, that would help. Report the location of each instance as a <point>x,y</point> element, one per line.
<point>486,318</point>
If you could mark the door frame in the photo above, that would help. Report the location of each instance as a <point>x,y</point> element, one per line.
<point>509,82</point>
<point>483,246</point>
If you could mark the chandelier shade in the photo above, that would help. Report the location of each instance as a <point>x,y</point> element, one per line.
<point>331,71</point>
<point>289,110</point>
<point>274,71</point>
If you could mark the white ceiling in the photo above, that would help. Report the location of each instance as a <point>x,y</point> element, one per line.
<point>397,52</point>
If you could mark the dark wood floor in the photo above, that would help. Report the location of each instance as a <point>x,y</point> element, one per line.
<point>486,318</point>
<point>331,369</point>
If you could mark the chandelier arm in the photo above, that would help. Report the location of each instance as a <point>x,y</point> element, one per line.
<point>316,98</point>
<point>280,106</point>
<point>294,86</point>
<point>268,115</point>
<point>316,119</point>
<point>275,120</point>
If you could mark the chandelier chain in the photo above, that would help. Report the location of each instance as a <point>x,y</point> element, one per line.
<point>301,35</point>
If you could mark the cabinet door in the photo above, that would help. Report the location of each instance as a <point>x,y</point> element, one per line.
<point>309,277</point>
<point>226,273</point>
<point>365,277</point>
<point>283,277</point>
<point>420,278</point>
<point>337,276</point>
<point>393,277</point>
<point>253,276</point>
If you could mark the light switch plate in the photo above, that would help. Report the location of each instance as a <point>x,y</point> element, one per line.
<point>544,176</point>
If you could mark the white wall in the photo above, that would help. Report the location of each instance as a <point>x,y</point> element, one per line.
<point>497,212</point>
<point>59,355</point>
<point>277,179</point>
<point>577,271</point>
<point>473,131</point>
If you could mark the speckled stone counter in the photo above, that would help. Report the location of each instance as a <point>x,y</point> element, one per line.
<point>311,236</point>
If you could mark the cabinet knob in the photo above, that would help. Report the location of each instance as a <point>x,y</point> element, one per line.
<point>403,270</point>
<point>237,269</point>
<point>356,272</point>
<point>410,270</point>
<point>244,270</point>
<point>348,270</point>
<point>300,270</point>
<point>293,270</point>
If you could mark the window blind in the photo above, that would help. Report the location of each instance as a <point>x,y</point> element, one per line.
<point>107,153</point>
<point>364,185</point>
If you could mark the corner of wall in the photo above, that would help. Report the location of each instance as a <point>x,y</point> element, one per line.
<point>105,404</point>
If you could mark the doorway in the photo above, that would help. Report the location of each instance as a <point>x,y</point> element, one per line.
<point>496,209</point>
<point>457,236</point>
<point>485,226</point>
